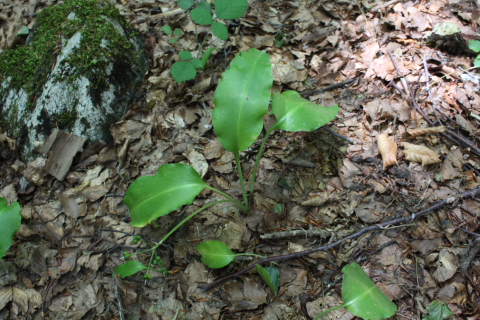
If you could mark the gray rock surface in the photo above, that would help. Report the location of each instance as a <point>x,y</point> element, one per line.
<point>89,85</point>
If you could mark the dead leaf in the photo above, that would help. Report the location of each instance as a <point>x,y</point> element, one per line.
<point>197,160</point>
<point>452,166</point>
<point>422,131</point>
<point>317,201</point>
<point>447,265</point>
<point>465,124</point>
<point>420,154</point>
<point>388,149</point>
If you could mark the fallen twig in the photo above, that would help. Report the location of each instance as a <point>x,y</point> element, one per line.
<point>339,135</point>
<point>435,206</point>
<point>309,93</point>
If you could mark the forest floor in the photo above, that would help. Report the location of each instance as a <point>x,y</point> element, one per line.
<point>323,185</point>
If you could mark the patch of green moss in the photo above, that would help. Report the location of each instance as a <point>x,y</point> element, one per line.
<point>29,65</point>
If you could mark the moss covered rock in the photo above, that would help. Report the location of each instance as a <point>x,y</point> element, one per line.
<point>78,72</point>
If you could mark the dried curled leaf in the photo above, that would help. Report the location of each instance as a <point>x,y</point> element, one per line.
<point>317,201</point>
<point>422,131</point>
<point>388,149</point>
<point>420,154</point>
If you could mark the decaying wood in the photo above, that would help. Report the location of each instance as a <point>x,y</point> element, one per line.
<point>61,147</point>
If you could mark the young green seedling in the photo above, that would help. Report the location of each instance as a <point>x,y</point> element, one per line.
<point>362,297</point>
<point>271,276</point>
<point>10,220</point>
<point>202,14</point>
<point>241,100</point>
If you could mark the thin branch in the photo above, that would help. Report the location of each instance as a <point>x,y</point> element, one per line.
<point>309,93</point>
<point>338,135</point>
<point>383,225</point>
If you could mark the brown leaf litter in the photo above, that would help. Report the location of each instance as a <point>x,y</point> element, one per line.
<point>74,231</point>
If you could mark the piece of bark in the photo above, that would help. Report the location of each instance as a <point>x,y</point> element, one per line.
<point>63,146</point>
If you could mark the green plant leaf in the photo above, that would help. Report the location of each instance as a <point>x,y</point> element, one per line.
<point>474,45</point>
<point>185,55</point>
<point>279,39</point>
<point>241,100</point>
<point>167,29</point>
<point>362,297</point>
<point>295,113</point>
<point>271,276</point>
<point>186,4</point>
<point>215,254</point>
<point>183,71</point>
<point>178,32</point>
<point>206,55</point>
<point>10,220</point>
<point>278,208</point>
<point>129,268</point>
<point>204,5</point>
<point>174,185</point>
<point>202,16</point>
<point>197,63</point>
<point>437,310</point>
<point>476,62</point>
<point>220,30</point>
<point>231,9</point>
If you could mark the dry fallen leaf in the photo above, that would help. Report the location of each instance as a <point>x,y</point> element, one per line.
<point>422,131</point>
<point>452,167</point>
<point>420,154</point>
<point>388,149</point>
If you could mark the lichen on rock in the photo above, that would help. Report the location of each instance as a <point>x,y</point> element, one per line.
<point>77,72</point>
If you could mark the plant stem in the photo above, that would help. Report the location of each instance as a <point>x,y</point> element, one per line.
<point>236,202</point>
<point>328,311</point>
<point>240,175</point>
<point>259,156</point>
<point>186,219</point>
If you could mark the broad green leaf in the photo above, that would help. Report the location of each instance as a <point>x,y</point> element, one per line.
<point>474,45</point>
<point>362,297</point>
<point>476,62</point>
<point>186,4</point>
<point>202,16</point>
<point>220,30</point>
<point>271,276</point>
<point>207,55</point>
<point>174,40</point>
<point>185,55</point>
<point>183,71</point>
<point>178,32</point>
<point>174,185</point>
<point>167,29</point>
<point>10,220</point>
<point>215,254</point>
<point>204,5</point>
<point>197,63</point>
<point>295,113</point>
<point>241,100</point>
<point>437,310</point>
<point>231,9</point>
<point>129,268</point>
